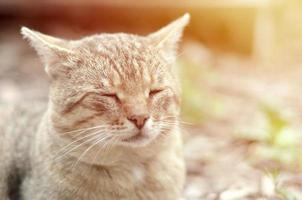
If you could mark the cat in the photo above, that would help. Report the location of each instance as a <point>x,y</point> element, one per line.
<point>110,129</point>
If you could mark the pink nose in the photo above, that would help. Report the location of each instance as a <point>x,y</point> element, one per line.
<point>139,120</point>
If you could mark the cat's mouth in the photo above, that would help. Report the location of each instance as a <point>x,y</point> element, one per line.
<point>138,139</point>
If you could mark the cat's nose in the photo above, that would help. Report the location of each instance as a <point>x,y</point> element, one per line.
<point>139,120</point>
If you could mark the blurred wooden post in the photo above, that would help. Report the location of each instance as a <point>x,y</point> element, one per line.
<point>243,26</point>
<point>265,33</point>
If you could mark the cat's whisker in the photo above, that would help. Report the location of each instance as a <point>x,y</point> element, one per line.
<point>82,129</point>
<point>167,122</point>
<point>174,118</point>
<point>103,146</point>
<point>166,127</point>
<point>177,121</point>
<point>68,150</point>
<point>56,158</point>
<point>72,165</point>
<point>76,141</point>
<point>98,140</point>
<point>75,136</point>
<point>108,144</point>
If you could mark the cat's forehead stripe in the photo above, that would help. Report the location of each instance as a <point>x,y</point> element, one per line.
<point>124,59</point>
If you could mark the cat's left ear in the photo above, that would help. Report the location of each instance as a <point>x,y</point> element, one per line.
<point>167,38</point>
<point>51,50</point>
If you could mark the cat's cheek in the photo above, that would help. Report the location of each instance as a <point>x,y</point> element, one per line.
<point>173,108</point>
<point>152,129</point>
<point>148,127</point>
<point>166,105</point>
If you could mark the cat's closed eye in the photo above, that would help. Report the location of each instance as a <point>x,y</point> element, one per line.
<point>155,91</point>
<point>111,95</point>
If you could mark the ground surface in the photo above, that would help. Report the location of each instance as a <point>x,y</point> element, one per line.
<point>244,137</point>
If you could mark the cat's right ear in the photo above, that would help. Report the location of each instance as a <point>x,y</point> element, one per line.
<point>168,37</point>
<point>50,49</point>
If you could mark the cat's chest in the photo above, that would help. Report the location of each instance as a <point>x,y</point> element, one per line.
<point>135,182</point>
<point>135,177</point>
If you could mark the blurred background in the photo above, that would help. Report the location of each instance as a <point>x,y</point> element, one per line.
<point>240,64</point>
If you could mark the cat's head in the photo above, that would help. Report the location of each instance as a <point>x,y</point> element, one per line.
<point>112,88</point>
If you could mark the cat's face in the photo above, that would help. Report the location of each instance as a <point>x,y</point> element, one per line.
<point>124,85</point>
<point>113,88</point>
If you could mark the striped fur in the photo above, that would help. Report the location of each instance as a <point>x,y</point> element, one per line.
<point>87,145</point>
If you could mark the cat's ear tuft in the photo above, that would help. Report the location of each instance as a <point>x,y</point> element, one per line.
<point>44,43</point>
<point>167,38</point>
<point>49,48</point>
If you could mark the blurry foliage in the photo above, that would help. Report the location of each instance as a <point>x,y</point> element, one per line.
<point>272,132</point>
<point>279,140</point>
<point>272,184</point>
<point>282,144</point>
<point>197,104</point>
<point>191,95</point>
<point>277,123</point>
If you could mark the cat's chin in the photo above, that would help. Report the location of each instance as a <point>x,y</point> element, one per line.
<point>140,139</point>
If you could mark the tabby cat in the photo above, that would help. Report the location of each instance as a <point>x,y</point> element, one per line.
<point>110,129</point>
